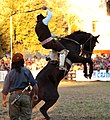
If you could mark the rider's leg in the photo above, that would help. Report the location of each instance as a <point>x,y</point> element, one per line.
<point>54,55</point>
<point>57,46</point>
<point>63,54</point>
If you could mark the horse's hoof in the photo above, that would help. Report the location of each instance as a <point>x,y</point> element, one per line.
<point>45,114</point>
<point>90,76</point>
<point>86,76</point>
<point>48,118</point>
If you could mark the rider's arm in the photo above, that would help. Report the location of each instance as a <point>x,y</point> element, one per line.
<point>54,36</point>
<point>48,17</point>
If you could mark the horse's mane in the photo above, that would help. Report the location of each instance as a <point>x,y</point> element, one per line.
<point>79,36</point>
<point>74,34</point>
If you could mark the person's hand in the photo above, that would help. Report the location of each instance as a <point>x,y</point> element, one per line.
<point>3,103</point>
<point>3,100</point>
<point>35,97</point>
<point>44,8</point>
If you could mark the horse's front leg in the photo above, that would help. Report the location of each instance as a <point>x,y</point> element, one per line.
<point>91,69</point>
<point>90,62</point>
<point>85,70</point>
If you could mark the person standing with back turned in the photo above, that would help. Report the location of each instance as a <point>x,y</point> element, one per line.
<point>45,37</point>
<point>16,82</point>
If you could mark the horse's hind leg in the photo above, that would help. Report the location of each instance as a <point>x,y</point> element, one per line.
<point>46,106</point>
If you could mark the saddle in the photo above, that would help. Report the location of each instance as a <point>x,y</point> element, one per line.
<point>53,57</point>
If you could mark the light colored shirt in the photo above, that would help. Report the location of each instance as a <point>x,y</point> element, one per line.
<point>48,17</point>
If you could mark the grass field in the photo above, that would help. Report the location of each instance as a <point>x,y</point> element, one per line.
<point>78,101</point>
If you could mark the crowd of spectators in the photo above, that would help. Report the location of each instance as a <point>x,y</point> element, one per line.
<point>5,64</point>
<point>31,63</point>
<point>35,63</point>
<point>100,62</point>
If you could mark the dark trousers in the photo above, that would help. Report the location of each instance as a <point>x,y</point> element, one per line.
<point>20,109</point>
<point>54,45</point>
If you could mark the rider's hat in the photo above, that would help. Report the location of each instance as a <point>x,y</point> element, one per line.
<point>40,17</point>
<point>17,57</point>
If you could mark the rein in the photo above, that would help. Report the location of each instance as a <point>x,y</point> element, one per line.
<point>81,46</point>
<point>85,43</point>
<point>72,40</point>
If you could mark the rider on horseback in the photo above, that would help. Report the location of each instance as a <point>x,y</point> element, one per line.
<point>46,39</point>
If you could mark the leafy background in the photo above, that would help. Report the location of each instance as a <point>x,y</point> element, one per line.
<point>24,39</point>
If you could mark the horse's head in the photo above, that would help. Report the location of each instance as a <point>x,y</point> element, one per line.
<point>86,40</point>
<point>89,44</point>
<point>87,49</point>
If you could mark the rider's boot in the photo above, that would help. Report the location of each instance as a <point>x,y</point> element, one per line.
<point>63,54</point>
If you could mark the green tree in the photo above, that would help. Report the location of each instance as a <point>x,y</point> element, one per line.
<point>5,11</point>
<point>24,38</point>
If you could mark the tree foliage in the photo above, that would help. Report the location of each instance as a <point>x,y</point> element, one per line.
<point>23,36</point>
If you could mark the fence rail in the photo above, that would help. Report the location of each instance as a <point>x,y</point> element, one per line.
<point>101,75</point>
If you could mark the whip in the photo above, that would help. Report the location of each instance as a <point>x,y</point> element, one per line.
<point>18,96</point>
<point>26,11</point>
<point>32,10</point>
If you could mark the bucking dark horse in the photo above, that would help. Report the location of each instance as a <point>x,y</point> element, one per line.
<point>49,77</point>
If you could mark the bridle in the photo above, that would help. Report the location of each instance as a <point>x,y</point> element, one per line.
<point>82,47</point>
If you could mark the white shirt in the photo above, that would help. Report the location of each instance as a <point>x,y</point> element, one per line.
<point>48,17</point>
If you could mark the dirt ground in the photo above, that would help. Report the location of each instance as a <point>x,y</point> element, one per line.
<point>77,101</point>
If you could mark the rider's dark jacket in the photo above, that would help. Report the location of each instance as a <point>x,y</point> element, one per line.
<point>42,31</point>
<point>44,34</point>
